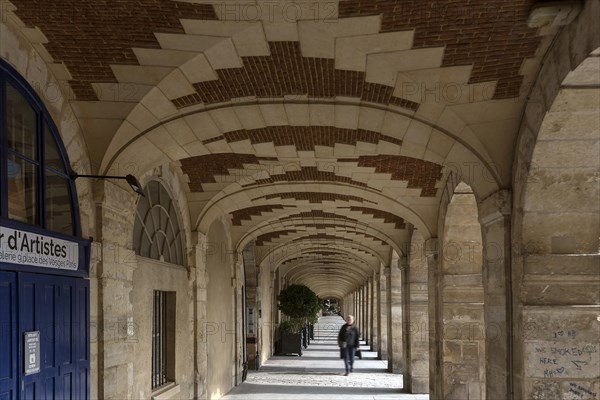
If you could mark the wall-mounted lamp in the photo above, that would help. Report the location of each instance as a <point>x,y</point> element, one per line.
<point>131,180</point>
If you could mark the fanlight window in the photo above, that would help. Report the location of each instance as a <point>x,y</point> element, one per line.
<point>157,233</point>
<point>34,170</point>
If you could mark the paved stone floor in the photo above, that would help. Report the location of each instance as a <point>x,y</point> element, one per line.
<point>319,374</point>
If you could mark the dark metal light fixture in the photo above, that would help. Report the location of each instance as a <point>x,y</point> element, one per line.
<point>131,180</point>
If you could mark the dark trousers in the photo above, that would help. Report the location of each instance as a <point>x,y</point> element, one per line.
<point>349,357</point>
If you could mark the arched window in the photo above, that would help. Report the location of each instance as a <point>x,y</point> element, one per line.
<point>156,232</point>
<point>35,188</point>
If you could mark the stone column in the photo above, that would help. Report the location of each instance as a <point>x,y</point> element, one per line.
<point>374,311</point>
<point>435,319</point>
<point>117,332</point>
<point>383,314</point>
<point>200,281</point>
<point>418,319</point>
<point>239,317</point>
<point>406,367</point>
<point>359,310</point>
<point>357,304</point>
<point>367,313</point>
<point>494,216</point>
<point>395,331</point>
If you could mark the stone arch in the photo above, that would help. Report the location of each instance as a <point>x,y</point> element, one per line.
<point>560,200</point>
<point>556,219</point>
<point>236,198</point>
<point>166,139</point>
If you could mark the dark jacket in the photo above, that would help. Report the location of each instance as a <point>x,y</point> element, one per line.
<point>346,334</point>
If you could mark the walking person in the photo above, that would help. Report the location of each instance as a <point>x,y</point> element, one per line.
<point>348,342</point>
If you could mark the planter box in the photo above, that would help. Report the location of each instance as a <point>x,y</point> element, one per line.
<point>291,343</point>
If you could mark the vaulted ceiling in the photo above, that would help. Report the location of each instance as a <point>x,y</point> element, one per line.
<point>323,130</point>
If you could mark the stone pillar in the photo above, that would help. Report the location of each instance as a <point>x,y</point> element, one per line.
<point>462,301</point>
<point>405,307</point>
<point>359,305</point>
<point>395,331</point>
<point>435,319</point>
<point>383,314</point>
<point>200,280</point>
<point>367,314</point>
<point>117,333</point>
<point>252,289</point>
<point>363,308</point>
<point>418,319</point>
<point>238,277</point>
<point>374,311</point>
<point>354,304</point>
<point>494,216</point>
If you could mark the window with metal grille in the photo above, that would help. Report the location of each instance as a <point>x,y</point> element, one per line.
<point>163,339</point>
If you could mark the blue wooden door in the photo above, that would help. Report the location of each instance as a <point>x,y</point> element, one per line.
<point>8,336</point>
<point>57,307</point>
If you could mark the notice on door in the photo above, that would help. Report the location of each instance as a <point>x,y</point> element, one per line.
<point>31,352</point>
<point>27,248</point>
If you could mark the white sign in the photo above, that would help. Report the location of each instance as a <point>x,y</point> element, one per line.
<point>27,248</point>
<point>31,352</point>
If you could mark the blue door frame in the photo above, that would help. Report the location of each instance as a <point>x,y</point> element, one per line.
<point>9,379</point>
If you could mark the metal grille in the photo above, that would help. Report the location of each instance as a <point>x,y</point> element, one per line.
<point>159,340</point>
<point>156,231</point>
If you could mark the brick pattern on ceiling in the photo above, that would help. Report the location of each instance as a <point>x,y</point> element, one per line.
<point>305,138</point>
<point>493,36</point>
<point>307,174</point>
<point>317,215</point>
<point>313,256</point>
<point>269,237</point>
<point>420,174</point>
<point>347,253</point>
<point>247,213</point>
<point>344,229</point>
<point>203,169</point>
<point>324,236</point>
<point>379,214</point>
<point>286,72</point>
<point>317,256</point>
<point>314,197</point>
<point>88,36</point>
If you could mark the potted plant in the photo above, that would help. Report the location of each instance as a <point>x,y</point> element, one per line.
<point>300,305</point>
